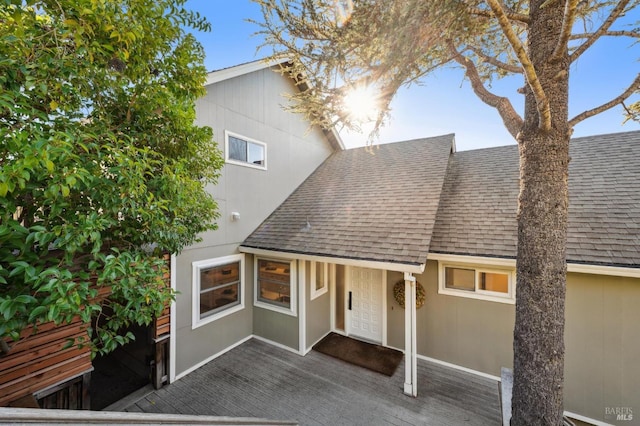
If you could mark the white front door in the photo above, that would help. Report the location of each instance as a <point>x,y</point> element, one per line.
<point>365,303</point>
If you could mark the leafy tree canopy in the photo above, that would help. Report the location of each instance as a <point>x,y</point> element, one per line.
<point>101,165</point>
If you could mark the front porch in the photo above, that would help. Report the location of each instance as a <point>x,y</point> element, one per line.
<point>257,379</point>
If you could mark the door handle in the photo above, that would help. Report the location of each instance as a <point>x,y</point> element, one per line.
<point>349,300</point>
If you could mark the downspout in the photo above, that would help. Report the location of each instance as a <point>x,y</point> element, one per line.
<point>410,339</point>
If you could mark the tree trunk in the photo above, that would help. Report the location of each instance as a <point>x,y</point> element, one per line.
<point>542,229</point>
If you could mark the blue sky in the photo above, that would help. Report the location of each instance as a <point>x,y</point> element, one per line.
<point>445,102</point>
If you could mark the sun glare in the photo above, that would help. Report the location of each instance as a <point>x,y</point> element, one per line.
<point>361,104</point>
<point>343,10</point>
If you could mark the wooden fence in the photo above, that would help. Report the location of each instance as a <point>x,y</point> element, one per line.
<point>39,367</point>
<point>39,360</point>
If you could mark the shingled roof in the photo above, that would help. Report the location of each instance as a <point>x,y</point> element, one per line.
<point>477,213</point>
<point>376,204</point>
<point>411,198</point>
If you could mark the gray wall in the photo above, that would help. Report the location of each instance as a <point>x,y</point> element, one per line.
<point>249,105</point>
<point>602,337</point>
<point>471,333</point>
<point>278,327</point>
<point>602,340</point>
<point>193,346</point>
<point>318,315</point>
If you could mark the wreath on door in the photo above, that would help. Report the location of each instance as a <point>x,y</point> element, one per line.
<point>398,294</point>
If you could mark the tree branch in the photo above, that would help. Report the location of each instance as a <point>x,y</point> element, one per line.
<point>617,33</point>
<point>567,25</point>
<point>512,121</point>
<point>517,18</point>
<point>633,87</point>
<point>615,13</point>
<point>495,61</point>
<point>544,111</point>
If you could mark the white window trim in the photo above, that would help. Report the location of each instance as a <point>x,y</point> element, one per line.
<point>492,296</point>
<point>313,294</point>
<point>227,133</point>
<point>197,266</point>
<point>293,282</point>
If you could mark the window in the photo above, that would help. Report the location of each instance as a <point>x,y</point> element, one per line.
<point>477,282</point>
<point>244,151</point>
<point>275,285</point>
<point>319,279</point>
<point>218,288</point>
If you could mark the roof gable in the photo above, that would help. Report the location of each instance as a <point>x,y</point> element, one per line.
<point>276,65</point>
<point>477,213</point>
<point>376,204</point>
<point>217,76</point>
<point>396,205</point>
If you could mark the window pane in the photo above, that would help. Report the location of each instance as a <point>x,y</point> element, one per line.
<point>237,149</point>
<point>274,282</point>
<point>320,278</point>
<point>256,153</point>
<point>218,299</point>
<point>219,288</point>
<point>460,279</point>
<point>491,281</point>
<point>218,275</point>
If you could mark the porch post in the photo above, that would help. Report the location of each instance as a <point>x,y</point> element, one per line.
<point>410,360</point>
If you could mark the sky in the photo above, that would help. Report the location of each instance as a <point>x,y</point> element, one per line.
<point>444,103</point>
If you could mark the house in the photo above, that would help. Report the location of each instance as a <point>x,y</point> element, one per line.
<point>268,154</point>
<point>314,238</point>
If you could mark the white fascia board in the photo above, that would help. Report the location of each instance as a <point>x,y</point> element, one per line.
<point>616,271</point>
<point>238,70</point>
<point>335,134</point>
<point>479,260</point>
<point>389,266</point>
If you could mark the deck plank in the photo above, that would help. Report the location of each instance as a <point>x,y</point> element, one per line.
<point>257,379</point>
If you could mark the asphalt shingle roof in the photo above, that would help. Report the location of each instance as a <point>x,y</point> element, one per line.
<point>409,198</point>
<point>376,204</point>
<point>477,213</point>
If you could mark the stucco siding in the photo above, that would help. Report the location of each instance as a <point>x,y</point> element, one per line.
<point>602,340</point>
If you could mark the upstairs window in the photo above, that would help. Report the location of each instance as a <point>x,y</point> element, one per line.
<point>477,282</point>
<point>244,151</point>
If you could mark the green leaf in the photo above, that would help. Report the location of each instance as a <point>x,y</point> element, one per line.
<point>37,312</point>
<point>103,155</point>
<point>24,299</point>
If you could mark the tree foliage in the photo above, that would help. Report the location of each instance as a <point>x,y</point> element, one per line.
<point>102,168</point>
<point>336,46</point>
<point>342,44</point>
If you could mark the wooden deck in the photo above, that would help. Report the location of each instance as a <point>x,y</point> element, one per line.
<point>259,380</point>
